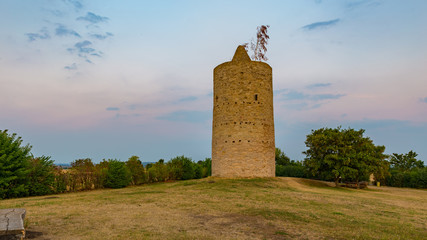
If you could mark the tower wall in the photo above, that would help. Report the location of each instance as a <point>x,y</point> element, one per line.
<point>243,122</point>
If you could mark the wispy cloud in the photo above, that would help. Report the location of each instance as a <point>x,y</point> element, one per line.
<point>62,31</point>
<point>186,116</point>
<point>320,97</point>
<point>296,95</point>
<point>84,49</point>
<point>320,25</point>
<point>101,36</point>
<point>362,3</point>
<point>112,109</point>
<point>76,4</point>
<point>188,99</point>
<point>424,100</point>
<point>93,18</point>
<point>318,85</point>
<point>71,67</point>
<point>43,34</point>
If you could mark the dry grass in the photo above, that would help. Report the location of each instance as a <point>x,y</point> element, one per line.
<point>276,208</point>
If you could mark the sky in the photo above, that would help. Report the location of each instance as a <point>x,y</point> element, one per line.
<point>112,79</point>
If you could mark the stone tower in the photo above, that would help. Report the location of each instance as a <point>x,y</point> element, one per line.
<point>243,122</point>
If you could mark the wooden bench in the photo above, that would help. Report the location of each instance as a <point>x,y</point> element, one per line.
<point>12,223</point>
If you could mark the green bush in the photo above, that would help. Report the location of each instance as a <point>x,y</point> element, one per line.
<point>416,178</point>
<point>41,176</point>
<point>158,172</point>
<point>181,168</point>
<point>290,171</point>
<point>118,175</point>
<point>137,170</point>
<point>61,180</point>
<point>205,167</point>
<point>14,160</point>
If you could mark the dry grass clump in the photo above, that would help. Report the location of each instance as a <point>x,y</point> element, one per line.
<point>271,208</point>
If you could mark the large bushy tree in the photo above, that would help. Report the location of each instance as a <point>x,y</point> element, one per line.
<point>341,153</point>
<point>181,168</point>
<point>136,169</point>
<point>405,162</point>
<point>118,175</point>
<point>41,176</point>
<point>14,160</point>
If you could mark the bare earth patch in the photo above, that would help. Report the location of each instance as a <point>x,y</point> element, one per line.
<point>269,208</point>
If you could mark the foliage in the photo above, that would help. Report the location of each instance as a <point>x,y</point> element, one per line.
<point>259,47</point>
<point>206,167</point>
<point>281,158</point>
<point>101,170</point>
<point>158,172</point>
<point>137,170</point>
<point>41,176</point>
<point>181,168</point>
<point>341,153</point>
<point>62,180</point>
<point>14,160</point>
<point>83,174</point>
<point>416,178</point>
<point>290,171</point>
<point>405,162</point>
<point>118,175</point>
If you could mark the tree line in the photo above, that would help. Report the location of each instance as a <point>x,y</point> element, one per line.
<point>22,174</point>
<point>346,155</point>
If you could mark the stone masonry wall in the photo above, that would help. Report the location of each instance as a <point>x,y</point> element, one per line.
<point>243,122</point>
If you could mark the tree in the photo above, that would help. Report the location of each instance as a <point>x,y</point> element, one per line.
<point>14,160</point>
<point>259,47</point>
<point>118,175</point>
<point>405,162</point>
<point>181,168</point>
<point>341,153</point>
<point>136,169</point>
<point>83,173</point>
<point>41,176</point>
<point>281,158</point>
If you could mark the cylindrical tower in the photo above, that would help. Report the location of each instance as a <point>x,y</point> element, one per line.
<point>243,122</point>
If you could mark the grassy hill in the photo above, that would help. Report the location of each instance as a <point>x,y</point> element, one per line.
<point>275,208</point>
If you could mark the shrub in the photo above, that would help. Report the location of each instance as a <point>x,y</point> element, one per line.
<point>206,167</point>
<point>62,180</point>
<point>118,175</point>
<point>41,176</point>
<point>290,171</point>
<point>83,174</point>
<point>137,170</point>
<point>181,168</point>
<point>158,172</point>
<point>14,160</point>
<point>416,178</point>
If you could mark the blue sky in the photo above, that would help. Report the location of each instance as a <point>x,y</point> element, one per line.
<point>112,79</point>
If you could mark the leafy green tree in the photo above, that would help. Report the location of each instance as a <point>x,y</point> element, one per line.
<point>406,162</point>
<point>341,153</point>
<point>101,170</point>
<point>157,172</point>
<point>136,169</point>
<point>181,168</point>
<point>83,173</point>
<point>118,175</point>
<point>14,160</point>
<point>281,158</point>
<point>41,176</point>
<point>206,167</point>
